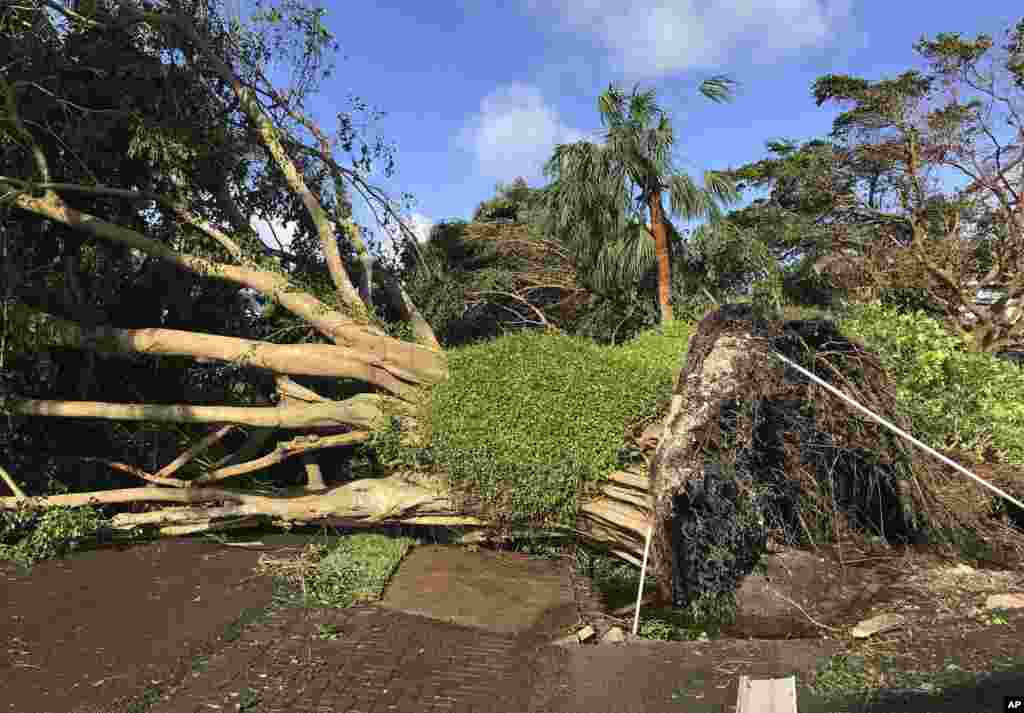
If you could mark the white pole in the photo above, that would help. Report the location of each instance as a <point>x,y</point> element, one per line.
<point>906,435</point>
<point>643,572</point>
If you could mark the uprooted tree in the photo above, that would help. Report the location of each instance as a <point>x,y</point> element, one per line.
<point>751,449</point>
<point>397,381</point>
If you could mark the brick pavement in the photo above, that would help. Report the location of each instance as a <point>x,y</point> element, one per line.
<point>381,661</point>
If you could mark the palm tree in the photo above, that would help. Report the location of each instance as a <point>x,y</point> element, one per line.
<point>594,185</point>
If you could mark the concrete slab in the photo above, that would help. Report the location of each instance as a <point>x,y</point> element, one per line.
<point>503,592</point>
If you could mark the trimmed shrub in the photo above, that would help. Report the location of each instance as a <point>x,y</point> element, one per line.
<point>528,421</point>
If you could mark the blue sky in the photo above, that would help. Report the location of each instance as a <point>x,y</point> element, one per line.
<point>477,93</point>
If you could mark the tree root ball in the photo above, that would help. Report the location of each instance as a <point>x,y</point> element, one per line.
<point>753,448</point>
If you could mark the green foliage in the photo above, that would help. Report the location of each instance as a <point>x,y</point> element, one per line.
<point>510,203</point>
<point>30,534</point>
<point>705,616</point>
<point>527,421</point>
<point>953,397</point>
<point>356,570</point>
<point>389,451</point>
<point>841,674</point>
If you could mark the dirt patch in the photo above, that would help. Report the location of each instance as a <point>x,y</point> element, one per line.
<point>82,632</point>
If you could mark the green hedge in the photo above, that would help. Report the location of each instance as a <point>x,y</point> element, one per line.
<point>528,420</point>
<point>953,397</point>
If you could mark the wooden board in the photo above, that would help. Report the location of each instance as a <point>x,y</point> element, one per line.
<point>771,695</point>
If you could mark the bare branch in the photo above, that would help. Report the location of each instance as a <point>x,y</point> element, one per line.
<point>302,359</point>
<point>287,449</point>
<point>401,359</point>
<point>18,492</point>
<point>197,448</point>
<point>368,411</point>
<point>138,472</point>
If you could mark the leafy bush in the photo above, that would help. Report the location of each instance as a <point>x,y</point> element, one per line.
<point>527,421</point>
<point>357,569</point>
<point>31,534</point>
<point>952,396</point>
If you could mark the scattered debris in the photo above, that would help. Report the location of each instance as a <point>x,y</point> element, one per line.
<point>1011,600</point>
<point>877,625</point>
<point>585,634</point>
<point>615,635</point>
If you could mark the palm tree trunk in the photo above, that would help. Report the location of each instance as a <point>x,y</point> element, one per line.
<point>662,255</point>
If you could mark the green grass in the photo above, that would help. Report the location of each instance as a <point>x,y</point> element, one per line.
<point>356,570</point>
<point>847,677</point>
<point>617,583</point>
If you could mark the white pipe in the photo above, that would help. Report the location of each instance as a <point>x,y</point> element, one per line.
<point>906,435</point>
<point>643,572</point>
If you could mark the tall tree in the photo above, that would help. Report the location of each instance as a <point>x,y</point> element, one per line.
<point>599,190</point>
<point>963,117</point>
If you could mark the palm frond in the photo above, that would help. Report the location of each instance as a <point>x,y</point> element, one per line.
<point>718,88</point>
<point>623,262</point>
<point>721,187</point>
<point>686,199</point>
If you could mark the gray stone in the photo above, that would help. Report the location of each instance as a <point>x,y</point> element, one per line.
<point>615,635</point>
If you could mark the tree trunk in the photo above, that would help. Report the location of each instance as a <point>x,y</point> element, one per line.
<point>661,253</point>
<point>615,520</point>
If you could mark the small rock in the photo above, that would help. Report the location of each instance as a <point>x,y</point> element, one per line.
<point>615,635</point>
<point>702,637</point>
<point>1005,601</point>
<point>877,625</point>
<point>586,633</point>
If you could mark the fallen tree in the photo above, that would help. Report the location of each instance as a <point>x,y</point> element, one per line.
<point>399,374</point>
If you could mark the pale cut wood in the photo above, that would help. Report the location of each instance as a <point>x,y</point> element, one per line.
<point>770,695</point>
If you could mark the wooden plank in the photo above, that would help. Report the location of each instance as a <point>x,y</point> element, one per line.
<point>771,695</point>
<point>637,479</point>
<point>627,495</point>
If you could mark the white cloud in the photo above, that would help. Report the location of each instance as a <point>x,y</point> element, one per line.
<point>515,133</point>
<point>418,223</point>
<point>285,232</point>
<point>652,38</point>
